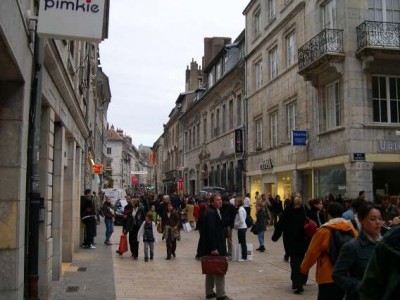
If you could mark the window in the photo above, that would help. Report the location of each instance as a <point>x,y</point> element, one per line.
<point>386,99</point>
<point>273,63</point>
<point>257,23</point>
<point>108,150</point>
<point>186,141</point>
<point>258,74</point>
<point>384,10</point>
<point>259,128</point>
<point>329,15</point>
<point>230,114</point>
<point>218,71</point>
<point>239,110</point>
<point>194,136</point>
<point>291,119</point>
<point>271,11</point>
<point>274,129</point>
<point>223,118</point>
<point>190,139</point>
<point>217,123</point>
<point>212,125</point>
<point>198,135</point>
<point>204,130</point>
<point>210,79</point>
<point>331,107</point>
<point>291,49</point>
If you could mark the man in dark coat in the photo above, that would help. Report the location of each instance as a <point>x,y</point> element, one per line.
<point>88,216</point>
<point>214,237</point>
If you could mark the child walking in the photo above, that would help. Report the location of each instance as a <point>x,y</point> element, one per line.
<point>148,231</point>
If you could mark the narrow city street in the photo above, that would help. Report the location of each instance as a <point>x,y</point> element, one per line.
<point>266,277</point>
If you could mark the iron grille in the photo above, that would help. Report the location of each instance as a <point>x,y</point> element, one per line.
<point>378,34</point>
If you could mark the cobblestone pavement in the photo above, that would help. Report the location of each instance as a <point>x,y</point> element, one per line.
<point>110,276</point>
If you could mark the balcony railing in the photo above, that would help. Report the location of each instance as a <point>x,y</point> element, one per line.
<point>378,34</point>
<point>328,41</point>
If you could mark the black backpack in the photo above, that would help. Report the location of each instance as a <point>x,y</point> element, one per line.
<point>337,240</point>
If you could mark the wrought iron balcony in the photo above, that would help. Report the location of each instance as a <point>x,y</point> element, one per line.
<point>328,41</point>
<point>374,34</point>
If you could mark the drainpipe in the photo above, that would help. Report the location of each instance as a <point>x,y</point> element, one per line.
<point>34,201</point>
<point>86,154</point>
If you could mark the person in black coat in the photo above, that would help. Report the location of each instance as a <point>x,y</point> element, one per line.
<point>228,213</point>
<point>214,244</point>
<point>88,217</point>
<point>291,224</point>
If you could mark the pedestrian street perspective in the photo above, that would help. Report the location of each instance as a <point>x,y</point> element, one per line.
<point>303,100</point>
<point>102,274</point>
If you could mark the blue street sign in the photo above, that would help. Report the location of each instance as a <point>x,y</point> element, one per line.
<point>299,137</point>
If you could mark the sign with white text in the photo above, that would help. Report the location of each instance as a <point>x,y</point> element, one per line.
<point>72,20</point>
<point>299,137</point>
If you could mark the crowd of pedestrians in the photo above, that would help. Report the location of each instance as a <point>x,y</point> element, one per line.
<point>355,245</point>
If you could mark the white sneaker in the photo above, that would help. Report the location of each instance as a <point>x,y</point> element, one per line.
<point>92,247</point>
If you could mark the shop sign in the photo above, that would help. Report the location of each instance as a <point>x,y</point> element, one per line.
<point>266,164</point>
<point>359,156</point>
<point>299,137</point>
<point>72,20</point>
<point>388,146</point>
<point>238,141</point>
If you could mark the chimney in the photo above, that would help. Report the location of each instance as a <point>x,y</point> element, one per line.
<point>212,46</point>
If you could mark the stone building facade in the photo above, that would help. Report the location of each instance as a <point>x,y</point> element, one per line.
<point>51,101</point>
<point>210,118</point>
<point>329,68</point>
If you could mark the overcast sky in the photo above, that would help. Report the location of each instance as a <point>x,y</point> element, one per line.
<point>149,45</point>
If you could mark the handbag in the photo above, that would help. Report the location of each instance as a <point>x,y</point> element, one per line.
<point>254,229</point>
<point>123,244</point>
<point>214,265</point>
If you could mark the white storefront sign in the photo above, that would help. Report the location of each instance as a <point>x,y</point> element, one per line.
<point>71,20</point>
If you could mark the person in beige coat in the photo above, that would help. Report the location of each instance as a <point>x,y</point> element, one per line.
<point>189,212</point>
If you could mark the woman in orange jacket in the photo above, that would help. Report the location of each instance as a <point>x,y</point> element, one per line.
<point>318,252</point>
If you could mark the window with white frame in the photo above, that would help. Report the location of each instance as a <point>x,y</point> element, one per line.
<point>386,99</point>
<point>239,110</point>
<point>218,71</point>
<point>271,10</point>
<point>291,119</point>
<point>273,63</point>
<point>258,72</point>
<point>274,128</point>
<point>257,23</point>
<point>210,79</point>
<point>291,49</point>
<point>329,14</point>
<point>259,130</point>
<point>331,107</point>
<point>384,10</point>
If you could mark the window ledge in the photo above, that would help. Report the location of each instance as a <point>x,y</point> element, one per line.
<point>382,125</point>
<point>332,130</point>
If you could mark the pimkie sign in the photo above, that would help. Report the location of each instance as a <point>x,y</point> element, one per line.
<point>72,20</point>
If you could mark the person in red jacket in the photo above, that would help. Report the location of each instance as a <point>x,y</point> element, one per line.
<point>318,252</point>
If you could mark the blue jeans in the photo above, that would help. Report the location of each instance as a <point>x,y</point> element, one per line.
<point>260,236</point>
<point>109,228</point>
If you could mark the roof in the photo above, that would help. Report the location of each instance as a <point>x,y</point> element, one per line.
<point>113,135</point>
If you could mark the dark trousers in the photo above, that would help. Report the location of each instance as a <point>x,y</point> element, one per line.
<point>171,247</point>
<point>133,243</point>
<point>90,227</point>
<point>298,279</point>
<point>330,291</point>
<point>242,241</point>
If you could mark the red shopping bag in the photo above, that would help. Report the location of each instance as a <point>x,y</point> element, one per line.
<point>123,244</point>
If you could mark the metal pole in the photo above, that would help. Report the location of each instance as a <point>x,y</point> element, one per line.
<point>33,194</point>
